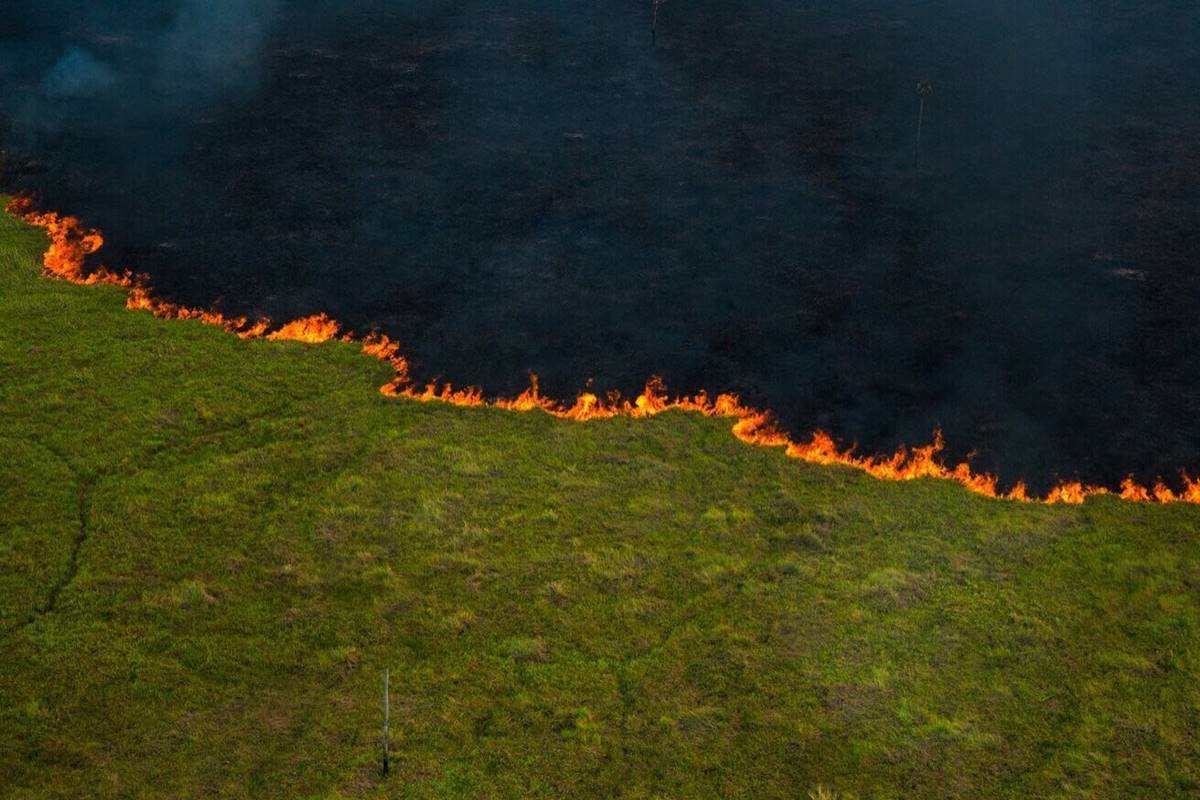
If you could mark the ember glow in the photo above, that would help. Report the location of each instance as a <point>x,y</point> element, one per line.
<point>71,243</point>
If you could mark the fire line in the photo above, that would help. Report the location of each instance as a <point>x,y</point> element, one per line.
<point>71,243</point>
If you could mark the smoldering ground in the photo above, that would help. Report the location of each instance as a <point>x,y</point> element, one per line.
<point>525,186</point>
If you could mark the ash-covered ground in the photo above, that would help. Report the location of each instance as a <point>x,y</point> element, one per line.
<point>524,186</point>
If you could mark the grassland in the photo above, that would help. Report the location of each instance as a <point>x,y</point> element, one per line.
<point>212,548</point>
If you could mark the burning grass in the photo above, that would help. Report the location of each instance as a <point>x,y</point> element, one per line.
<point>71,243</point>
<point>213,546</point>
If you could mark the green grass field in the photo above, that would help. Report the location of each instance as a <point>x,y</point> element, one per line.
<point>212,548</point>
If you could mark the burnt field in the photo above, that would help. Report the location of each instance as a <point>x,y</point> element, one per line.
<point>519,186</point>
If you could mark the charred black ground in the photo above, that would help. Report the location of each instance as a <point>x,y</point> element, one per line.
<point>523,186</point>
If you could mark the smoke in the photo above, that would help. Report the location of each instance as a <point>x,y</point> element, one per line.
<point>75,79</point>
<point>214,47</point>
<point>68,66</point>
<point>77,75</point>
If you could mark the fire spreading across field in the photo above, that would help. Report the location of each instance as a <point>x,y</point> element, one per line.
<point>71,243</point>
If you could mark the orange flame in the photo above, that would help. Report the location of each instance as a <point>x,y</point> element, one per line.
<point>1074,493</point>
<point>312,330</point>
<point>1163,493</point>
<point>1191,489</point>
<point>71,244</point>
<point>140,299</point>
<point>1131,490</point>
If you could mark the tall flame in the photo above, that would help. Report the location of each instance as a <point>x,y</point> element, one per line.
<point>71,243</point>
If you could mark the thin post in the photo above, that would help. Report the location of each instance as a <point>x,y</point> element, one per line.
<point>920,119</point>
<point>924,89</point>
<point>386,714</point>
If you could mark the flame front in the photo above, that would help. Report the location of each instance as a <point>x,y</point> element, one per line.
<point>71,243</point>
<point>313,330</point>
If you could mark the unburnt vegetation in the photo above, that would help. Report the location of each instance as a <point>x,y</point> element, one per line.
<point>212,549</point>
